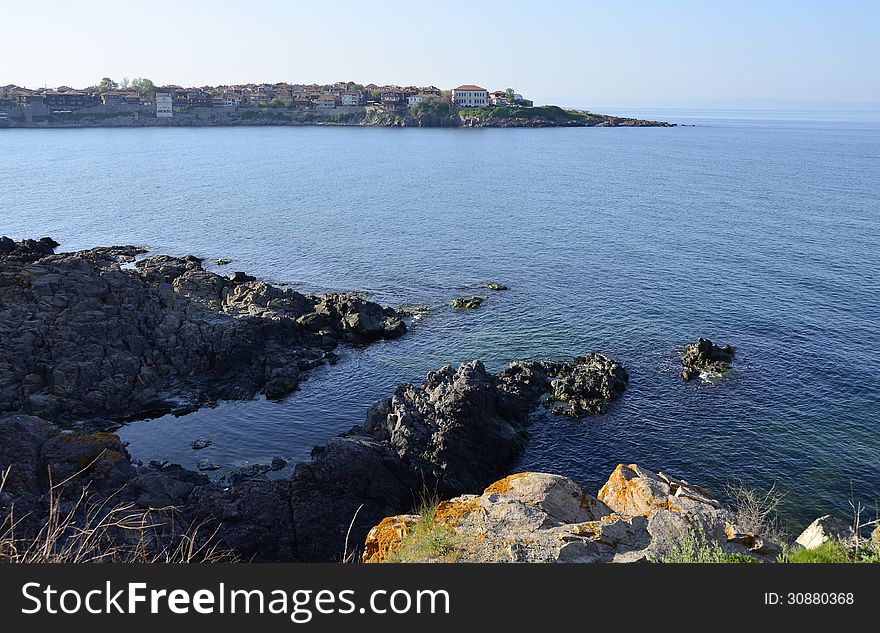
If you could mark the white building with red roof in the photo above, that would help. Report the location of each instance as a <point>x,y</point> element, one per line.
<point>470,96</point>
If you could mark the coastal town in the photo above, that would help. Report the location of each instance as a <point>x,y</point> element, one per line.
<point>140,103</point>
<point>137,94</point>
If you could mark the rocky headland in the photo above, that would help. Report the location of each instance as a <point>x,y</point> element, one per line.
<point>535,117</point>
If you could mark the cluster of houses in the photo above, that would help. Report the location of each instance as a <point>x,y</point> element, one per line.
<point>298,96</point>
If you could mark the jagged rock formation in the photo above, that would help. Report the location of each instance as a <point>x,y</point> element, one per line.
<point>95,334</point>
<point>456,432</point>
<point>587,385</point>
<point>536,517</point>
<point>704,355</point>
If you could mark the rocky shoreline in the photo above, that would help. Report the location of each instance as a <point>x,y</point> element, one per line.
<point>94,338</point>
<point>258,117</point>
<point>98,335</point>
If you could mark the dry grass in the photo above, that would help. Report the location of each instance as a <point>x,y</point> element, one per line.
<point>755,510</point>
<point>92,530</point>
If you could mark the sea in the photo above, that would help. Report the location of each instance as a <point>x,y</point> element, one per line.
<point>757,228</point>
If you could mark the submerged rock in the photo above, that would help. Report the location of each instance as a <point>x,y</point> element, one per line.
<point>495,286</point>
<point>468,302</point>
<point>199,444</point>
<point>207,464</point>
<point>704,355</point>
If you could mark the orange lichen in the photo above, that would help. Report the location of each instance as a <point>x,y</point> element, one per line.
<point>451,512</point>
<point>384,539</point>
<point>502,486</point>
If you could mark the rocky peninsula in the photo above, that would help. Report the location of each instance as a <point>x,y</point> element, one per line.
<point>532,117</point>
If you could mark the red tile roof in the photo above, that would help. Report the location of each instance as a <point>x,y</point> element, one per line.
<point>469,87</point>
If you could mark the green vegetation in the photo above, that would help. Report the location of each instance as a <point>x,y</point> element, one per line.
<point>106,84</point>
<point>144,87</point>
<point>550,112</point>
<point>830,552</point>
<point>426,540</point>
<point>433,107</point>
<point>696,548</point>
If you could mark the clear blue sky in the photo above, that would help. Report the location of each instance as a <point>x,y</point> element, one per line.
<point>564,52</point>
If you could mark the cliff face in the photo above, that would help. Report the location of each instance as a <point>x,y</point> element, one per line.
<point>460,119</point>
<point>407,119</point>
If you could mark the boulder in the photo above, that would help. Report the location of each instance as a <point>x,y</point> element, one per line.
<point>240,277</point>
<point>587,385</point>
<point>384,539</point>
<point>704,355</point>
<point>538,517</point>
<point>468,302</point>
<point>824,529</point>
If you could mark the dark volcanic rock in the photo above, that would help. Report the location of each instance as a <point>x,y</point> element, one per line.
<point>586,385</point>
<point>704,355</point>
<point>469,302</point>
<point>27,250</point>
<point>454,433</point>
<point>83,337</point>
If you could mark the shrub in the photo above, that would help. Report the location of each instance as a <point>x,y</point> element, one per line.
<point>696,548</point>
<point>426,541</point>
<point>755,510</point>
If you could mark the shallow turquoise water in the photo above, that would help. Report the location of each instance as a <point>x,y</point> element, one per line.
<point>758,232</point>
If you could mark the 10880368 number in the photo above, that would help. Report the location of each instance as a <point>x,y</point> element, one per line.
<point>809,598</point>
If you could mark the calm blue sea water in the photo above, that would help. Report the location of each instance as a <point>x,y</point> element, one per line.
<point>760,231</point>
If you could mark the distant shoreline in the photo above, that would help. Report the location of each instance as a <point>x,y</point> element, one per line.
<point>536,117</point>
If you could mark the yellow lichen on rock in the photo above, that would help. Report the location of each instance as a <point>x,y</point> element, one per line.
<point>384,539</point>
<point>502,486</point>
<point>450,512</point>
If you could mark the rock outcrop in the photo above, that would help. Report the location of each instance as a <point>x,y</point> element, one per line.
<point>94,334</point>
<point>456,432</point>
<point>705,356</point>
<point>536,517</point>
<point>826,528</point>
<point>468,302</point>
<point>586,385</point>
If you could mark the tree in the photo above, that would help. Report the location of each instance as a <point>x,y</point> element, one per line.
<point>511,95</point>
<point>106,84</point>
<point>144,87</point>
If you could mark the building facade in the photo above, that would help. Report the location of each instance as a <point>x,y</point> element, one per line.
<point>164,107</point>
<point>470,96</point>
<point>354,99</point>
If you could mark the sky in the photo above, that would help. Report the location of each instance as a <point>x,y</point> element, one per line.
<point>565,52</point>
